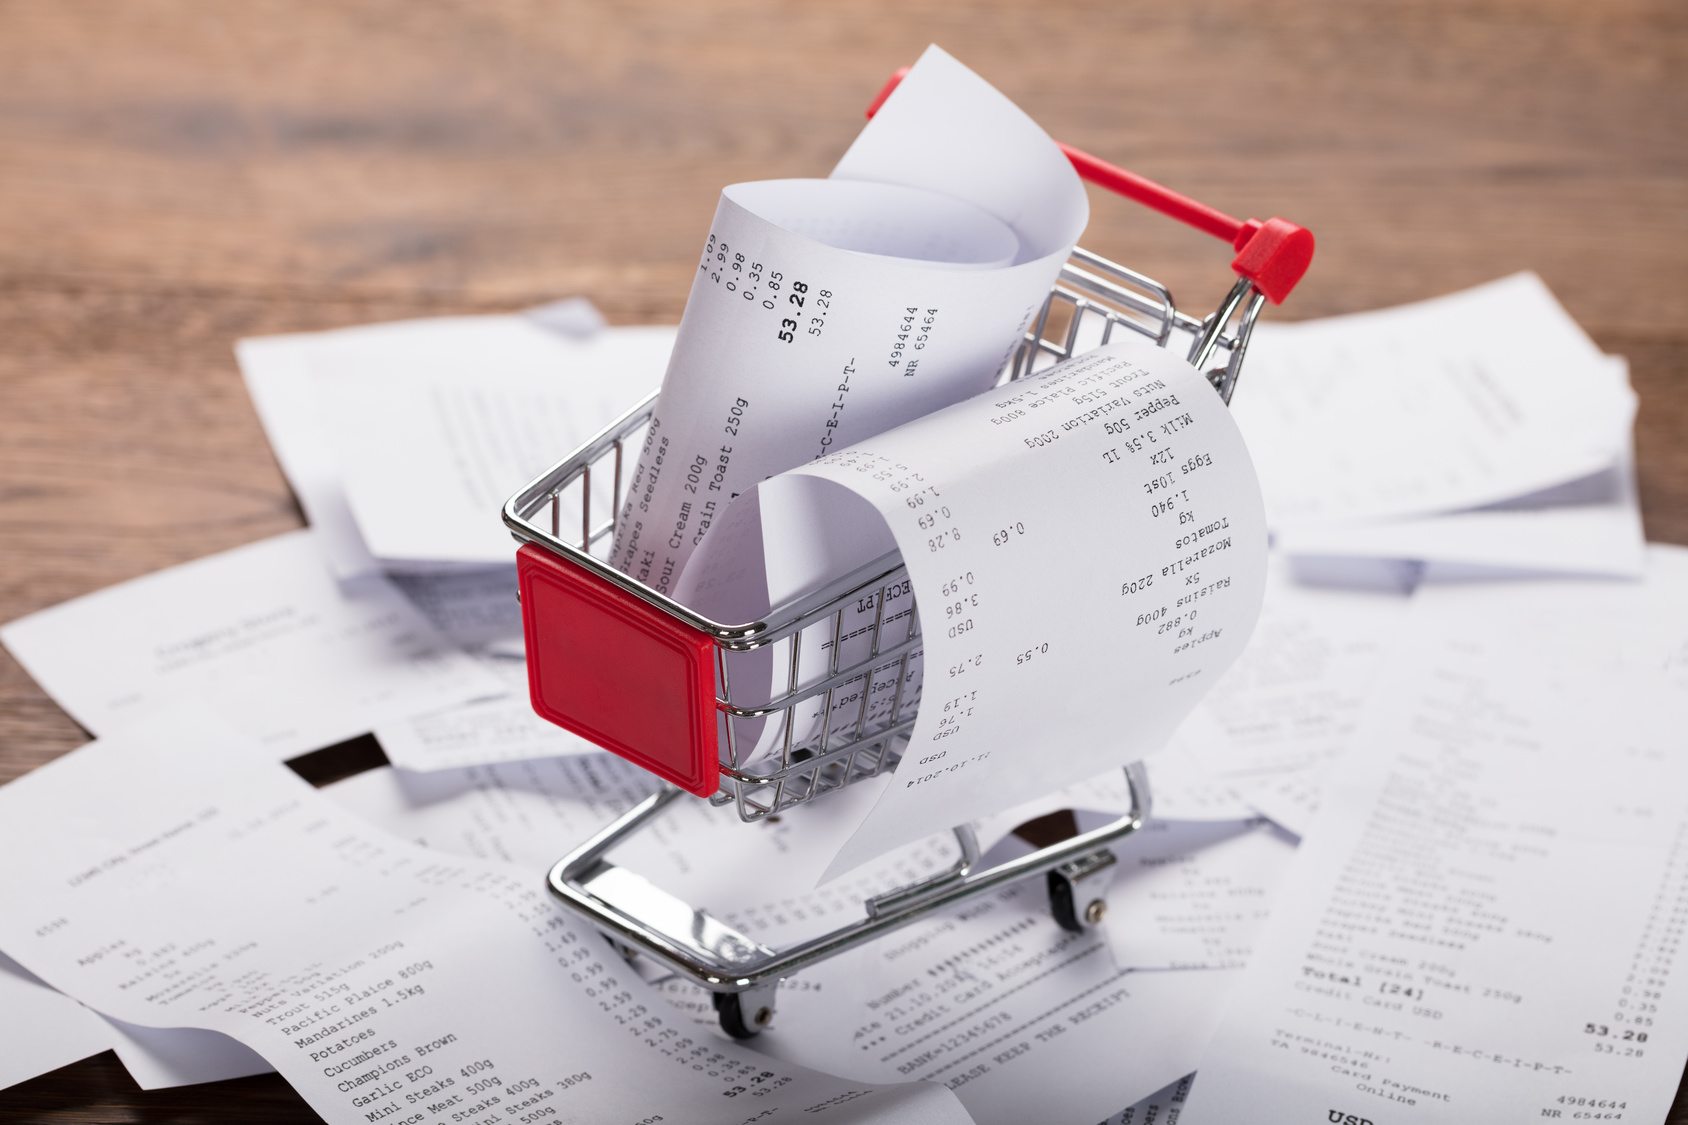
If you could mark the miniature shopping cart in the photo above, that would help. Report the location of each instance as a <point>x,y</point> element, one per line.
<point>641,675</point>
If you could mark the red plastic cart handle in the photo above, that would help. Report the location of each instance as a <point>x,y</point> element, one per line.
<point>1273,254</point>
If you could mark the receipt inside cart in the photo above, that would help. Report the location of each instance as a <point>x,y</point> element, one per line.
<point>823,311</point>
<point>1087,547</point>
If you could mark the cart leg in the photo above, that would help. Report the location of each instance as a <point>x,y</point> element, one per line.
<point>746,1014</point>
<point>1078,890</point>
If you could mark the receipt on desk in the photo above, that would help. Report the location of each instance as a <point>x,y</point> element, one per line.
<point>825,311</point>
<point>393,436</point>
<point>1285,708</point>
<point>1481,925</point>
<point>161,1058</point>
<point>40,1029</point>
<point>1289,799</point>
<point>1292,698</point>
<point>1087,547</point>
<point>1575,621</point>
<point>1429,408</point>
<point>177,881</point>
<point>1025,1021</point>
<point>478,610</point>
<point>432,430</point>
<point>1194,895</point>
<point>1162,1105</point>
<point>759,878</point>
<point>1590,526</point>
<point>262,634</point>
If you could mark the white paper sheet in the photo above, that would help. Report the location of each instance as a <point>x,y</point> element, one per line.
<point>759,878</point>
<point>277,370</point>
<point>40,1029</point>
<point>183,881</point>
<point>161,1058</point>
<point>574,317</point>
<point>1194,895</point>
<point>825,311</point>
<point>1586,527</point>
<point>1023,1020</point>
<point>1087,544</point>
<point>431,442</point>
<point>1290,800</point>
<point>1611,624</point>
<point>524,813</point>
<point>261,634</point>
<point>1381,576</point>
<point>482,733</point>
<point>1160,1108</point>
<point>1596,539</point>
<point>1439,406</point>
<point>1480,926</point>
<point>1179,790</point>
<point>1287,707</point>
<point>1294,695</point>
<point>280,376</point>
<point>478,611</point>
<point>1183,790</point>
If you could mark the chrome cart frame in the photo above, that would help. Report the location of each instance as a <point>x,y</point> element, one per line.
<point>853,721</point>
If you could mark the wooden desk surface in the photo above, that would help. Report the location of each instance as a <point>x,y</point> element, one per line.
<point>174,175</point>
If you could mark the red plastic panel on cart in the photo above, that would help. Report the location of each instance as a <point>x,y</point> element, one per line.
<point>612,669</point>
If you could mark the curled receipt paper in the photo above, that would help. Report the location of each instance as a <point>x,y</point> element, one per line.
<point>825,311</point>
<point>1087,547</point>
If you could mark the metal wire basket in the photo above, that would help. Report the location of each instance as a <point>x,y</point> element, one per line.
<point>639,674</point>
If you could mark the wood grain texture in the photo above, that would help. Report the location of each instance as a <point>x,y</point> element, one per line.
<point>175,174</point>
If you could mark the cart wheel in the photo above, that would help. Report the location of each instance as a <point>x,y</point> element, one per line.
<point>1077,891</point>
<point>1065,909</point>
<point>731,1013</point>
<point>1061,904</point>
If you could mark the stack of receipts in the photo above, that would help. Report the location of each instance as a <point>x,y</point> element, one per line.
<point>1482,431</point>
<point>1482,923</point>
<point>1419,849</point>
<point>178,896</point>
<point>381,979</point>
<point>402,440</point>
<point>397,996</point>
